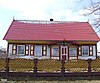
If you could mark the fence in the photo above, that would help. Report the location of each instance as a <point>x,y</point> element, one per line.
<point>49,67</point>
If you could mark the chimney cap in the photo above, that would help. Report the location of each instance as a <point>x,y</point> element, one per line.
<point>51,19</point>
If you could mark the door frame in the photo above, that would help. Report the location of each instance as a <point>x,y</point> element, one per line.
<point>65,52</point>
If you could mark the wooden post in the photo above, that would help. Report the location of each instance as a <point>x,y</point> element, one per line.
<point>7,50</point>
<point>68,52</point>
<point>63,68</point>
<point>35,67</point>
<point>96,50</point>
<point>50,52</point>
<point>89,67</point>
<point>77,52</point>
<point>7,67</point>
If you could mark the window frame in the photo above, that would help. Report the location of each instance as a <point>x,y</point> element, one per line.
<point>37,55</point>
<point>44,50</point>
<point>80,51</point>
<point>24,50</point>
<point>53,54</point>
<point>85,48</point>
<point>31,49</point>
<point>75,50</point>
<point>14,49</point>
<point>91,50</point>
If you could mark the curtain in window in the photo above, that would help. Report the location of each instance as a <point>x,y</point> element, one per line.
<point>55,52</point>
<point>85,50</point>
<point>21,49</point>
<point>72,52</point>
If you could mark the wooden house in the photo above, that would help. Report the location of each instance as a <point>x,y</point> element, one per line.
<point>51,39</point>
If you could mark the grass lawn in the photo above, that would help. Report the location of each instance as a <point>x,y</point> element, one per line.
<point>80,81</point>
<point>52,80</point>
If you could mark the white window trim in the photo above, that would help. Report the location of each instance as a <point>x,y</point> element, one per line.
<point>82,51</point>
<point>17,49</point>
<point>52,52</point>
<point>10,49</point>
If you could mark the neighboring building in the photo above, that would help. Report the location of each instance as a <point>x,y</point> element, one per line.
<point>52,39</point>
<point>2,50</point>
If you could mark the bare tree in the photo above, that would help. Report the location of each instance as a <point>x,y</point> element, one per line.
<point>94,10</point>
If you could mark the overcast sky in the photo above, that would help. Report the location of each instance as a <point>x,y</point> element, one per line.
<point>59,10</point>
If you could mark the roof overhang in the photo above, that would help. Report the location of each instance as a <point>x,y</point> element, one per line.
<point>52,42</point>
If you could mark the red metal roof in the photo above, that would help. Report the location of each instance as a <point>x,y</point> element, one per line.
<point>69,31</point>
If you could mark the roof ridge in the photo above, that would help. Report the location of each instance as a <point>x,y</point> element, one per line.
<point>47,22</point>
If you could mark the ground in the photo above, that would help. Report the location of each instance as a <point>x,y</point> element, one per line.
<point>81,81</point>
<point>52,80</point>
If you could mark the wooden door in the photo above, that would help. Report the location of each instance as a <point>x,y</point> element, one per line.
<point>64,52</point>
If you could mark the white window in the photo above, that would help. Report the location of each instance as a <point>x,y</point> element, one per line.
<point>85,50</point>
<point>55,51</point>
<point>20,49</point>
<point>72,51</point>
<point>38,50</point>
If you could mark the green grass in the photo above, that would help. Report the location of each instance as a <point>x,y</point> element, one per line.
<point>78,81</point>
<point>27,78</point>
<point>52,80</point>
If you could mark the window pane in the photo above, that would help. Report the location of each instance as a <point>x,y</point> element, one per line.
<point>79,52</point>
<point>21,49</point>
<point>44,47</point>
<point>79,48</point>
<point>14,51</point>
<point>85,50</point>
<point>26,47</point>
<point>91,53</point>
<point>90,47</point>
<point>55,51</point>
<point>72,52</point>
<point>31,52</point>
<point>26,52</point>
<point>63,50</point>
<point>38,50</point>
<point>31,47</point>
<point>14,46</point>
<point>44,52</point>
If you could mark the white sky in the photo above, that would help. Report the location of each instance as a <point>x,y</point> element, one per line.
<point>59,10</point>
